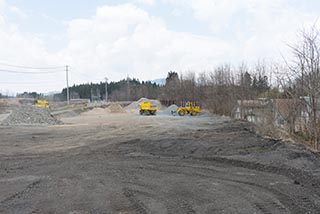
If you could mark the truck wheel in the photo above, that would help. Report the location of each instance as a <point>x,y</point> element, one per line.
<point>194,113</point>
<point>141,112</point>
<point>182,112</point>
<point>153,112</point>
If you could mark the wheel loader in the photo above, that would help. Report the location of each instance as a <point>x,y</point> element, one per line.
<point>147,109</point>
<point>42,103</point>
<point>190,108</point>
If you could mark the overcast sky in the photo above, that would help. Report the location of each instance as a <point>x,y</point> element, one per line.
<point>140,38</point>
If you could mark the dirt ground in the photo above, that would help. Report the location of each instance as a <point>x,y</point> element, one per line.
<point>127,163</point>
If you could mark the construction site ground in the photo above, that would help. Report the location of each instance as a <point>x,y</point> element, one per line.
<point>126,163</point>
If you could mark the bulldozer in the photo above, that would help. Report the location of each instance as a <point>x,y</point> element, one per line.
<point>147,109</point>
<point>42,103</point>
<point>190,108</point>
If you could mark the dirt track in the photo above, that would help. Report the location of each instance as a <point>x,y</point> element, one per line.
<point>125,163</point>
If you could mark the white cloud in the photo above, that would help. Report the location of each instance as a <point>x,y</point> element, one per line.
<point>258,28</point>
<point>24,49</point>
<point>2,20</point>
<point>2,4</point>
<point>146,2</point>
<point>117,41</point>
<point>18,12</point>
<point>177,12</point>
<point>273,25</point>
<point>216,12</point>
<point>124,39</point>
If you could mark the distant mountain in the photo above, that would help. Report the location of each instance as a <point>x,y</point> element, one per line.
<point>159,81</point>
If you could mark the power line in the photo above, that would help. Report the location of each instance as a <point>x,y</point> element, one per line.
<point>28,72</point>
<point>26,83</point>
<point>30,67</point>
<point>79,73</point>
<point>83,75</point>
<point>67,79</point>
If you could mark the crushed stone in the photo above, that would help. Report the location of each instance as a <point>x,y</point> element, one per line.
<point>116,108</point>
<point>96,111</point>
<point>170,108</point>
<point>30,115</point>
<point>135,105</point>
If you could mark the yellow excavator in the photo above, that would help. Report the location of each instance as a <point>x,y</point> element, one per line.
<point>147,109</point>
<point>190,108</point>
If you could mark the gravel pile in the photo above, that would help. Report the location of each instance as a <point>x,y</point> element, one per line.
<point>116,108</point>
<point>30,115</point>
<point>170,108</point>
<point>135,105</point>
<point>97,111</point>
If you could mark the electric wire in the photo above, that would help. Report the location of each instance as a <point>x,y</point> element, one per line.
<point>30,67</point>
<point>29,72</point>
<point>26,83</point>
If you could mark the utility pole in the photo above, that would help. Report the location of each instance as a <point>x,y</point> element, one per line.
<point>67,78</point>
<point>106,89</point>
<point>128,88</point>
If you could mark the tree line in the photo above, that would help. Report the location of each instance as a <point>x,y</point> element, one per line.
<point>218,90</point>
<point>297,80</point>
<point>129,89</point>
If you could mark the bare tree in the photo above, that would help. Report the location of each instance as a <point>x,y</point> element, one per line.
<point>305,77</point>
<point>188,90</point>
<point>245,82</point>
<point>222,95</point>
<point>171,89</point>
<point>203,89</point>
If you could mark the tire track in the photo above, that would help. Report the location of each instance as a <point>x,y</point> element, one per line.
<point>294,203</point>
<point>22,193</point>
<point>137,205</point>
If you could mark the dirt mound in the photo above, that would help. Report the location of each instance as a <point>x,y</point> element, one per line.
<point>170,108</point>
<point>96,111</point>
<point>135,105</point>
<point>116,108</point>
<point>112,108</point>
<point>30,115</point>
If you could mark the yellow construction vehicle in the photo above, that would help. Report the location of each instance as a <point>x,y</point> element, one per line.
<point>42,103</point>
<point>190,108</point>
<point>147,108</point>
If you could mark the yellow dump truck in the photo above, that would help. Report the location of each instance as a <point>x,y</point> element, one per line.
<point>147,109</point>
<point>42,103</point>
<point>190,108</point>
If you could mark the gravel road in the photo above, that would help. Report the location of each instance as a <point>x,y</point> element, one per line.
<point>125,163</point>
